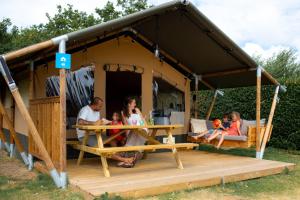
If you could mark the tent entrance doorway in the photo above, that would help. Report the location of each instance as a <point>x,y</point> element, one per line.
<point>120,85</point>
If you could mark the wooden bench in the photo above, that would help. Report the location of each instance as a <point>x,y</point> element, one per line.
<point>113,150</point>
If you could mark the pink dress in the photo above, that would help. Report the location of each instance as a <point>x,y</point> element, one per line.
<point>233,129</point>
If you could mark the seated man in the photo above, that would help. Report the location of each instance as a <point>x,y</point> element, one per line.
<point>90,115</point>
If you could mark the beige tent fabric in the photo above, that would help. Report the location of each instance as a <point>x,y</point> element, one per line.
<point>177,117</point>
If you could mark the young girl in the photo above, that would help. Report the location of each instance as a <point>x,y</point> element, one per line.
<point>119,140</point>
<point>233,130</point>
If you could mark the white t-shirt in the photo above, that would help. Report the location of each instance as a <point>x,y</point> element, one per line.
<point>88,114</point>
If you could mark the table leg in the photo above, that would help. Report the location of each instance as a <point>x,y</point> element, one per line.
<point>150,139</point>
<point>103,157</point>
<point>174,150</point>
<point>84,142</point>
<point>153,134</point>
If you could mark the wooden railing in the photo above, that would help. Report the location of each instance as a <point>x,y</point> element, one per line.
<point>45,115</point>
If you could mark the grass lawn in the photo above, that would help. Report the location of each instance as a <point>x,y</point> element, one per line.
<point>282,186</point>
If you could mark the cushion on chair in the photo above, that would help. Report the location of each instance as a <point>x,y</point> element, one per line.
<point>246,123</point>
<point>209,125</point>
<point>234,138</point>
<point>198,125</point>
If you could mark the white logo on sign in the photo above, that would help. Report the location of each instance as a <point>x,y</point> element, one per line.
<point>63,60</point>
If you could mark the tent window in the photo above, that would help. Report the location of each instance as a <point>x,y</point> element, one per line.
<point>166,99</point>
<point>79,91</point>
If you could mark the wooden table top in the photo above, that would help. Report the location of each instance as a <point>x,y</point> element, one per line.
<point>127,127</point>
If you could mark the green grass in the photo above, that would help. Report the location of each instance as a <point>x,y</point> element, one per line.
<point>40,188</point>
<point>286,181</point>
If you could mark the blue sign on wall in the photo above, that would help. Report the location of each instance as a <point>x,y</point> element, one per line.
<point>63,61</point>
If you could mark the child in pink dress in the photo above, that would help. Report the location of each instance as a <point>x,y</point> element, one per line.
<point>119,140</point>
<point>233,130</point>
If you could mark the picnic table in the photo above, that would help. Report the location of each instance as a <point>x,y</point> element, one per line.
<point>105,152</point>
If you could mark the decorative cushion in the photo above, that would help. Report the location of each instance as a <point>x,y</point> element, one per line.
<point>246,123</point>
<point>198,125</point>
<point>209,124</point>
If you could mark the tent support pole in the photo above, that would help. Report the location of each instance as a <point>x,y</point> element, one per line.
<point>24,112</point>
<point>62,100</point>
<point>212,105</point>
<point>228,72</point>
<point>258,105</point>
<point>269,124</point>
<point>11,137</point>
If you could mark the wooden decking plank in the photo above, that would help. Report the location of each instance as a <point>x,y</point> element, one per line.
<point>178,178</point>
<point>157,174</point>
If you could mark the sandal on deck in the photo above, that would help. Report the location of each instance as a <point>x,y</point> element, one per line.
<point>125,165</point>
<point>138,156</point>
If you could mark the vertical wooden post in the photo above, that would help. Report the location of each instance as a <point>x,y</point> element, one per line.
<point>269,124</point>
<point>258,105</point>
<point>3,141</point>
<point>2,136</point>
<point>212,105</point>
<point>62,101</point>
<point>31,81</point>
<point>196,94</point>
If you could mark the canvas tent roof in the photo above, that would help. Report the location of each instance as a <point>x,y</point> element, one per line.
<point>184,34</point>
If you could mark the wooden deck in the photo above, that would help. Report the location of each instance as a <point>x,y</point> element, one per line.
<point>158,173</point>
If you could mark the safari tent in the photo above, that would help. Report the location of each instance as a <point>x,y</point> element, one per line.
<point>158,55</point>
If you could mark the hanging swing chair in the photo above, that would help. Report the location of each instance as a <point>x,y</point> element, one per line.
<point>248,137</point>
<point>246,140</point>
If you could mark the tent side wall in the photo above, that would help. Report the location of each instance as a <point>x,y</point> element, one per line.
<point>117,51</point>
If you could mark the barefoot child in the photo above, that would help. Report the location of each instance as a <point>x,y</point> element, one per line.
<point>119,140</point>
<point>225,124</point>
<point>233,130</point>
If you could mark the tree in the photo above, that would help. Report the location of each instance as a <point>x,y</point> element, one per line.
<point>283,66</point>
<point>122,8</point>
<point>132,6</point>
<point>6,36</point>
<point>107,13</point>
<point>66,19</point>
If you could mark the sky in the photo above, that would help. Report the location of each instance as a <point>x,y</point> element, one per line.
<point>260,27</point>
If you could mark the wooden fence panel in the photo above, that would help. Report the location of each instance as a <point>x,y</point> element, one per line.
<point>46,117</point>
